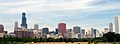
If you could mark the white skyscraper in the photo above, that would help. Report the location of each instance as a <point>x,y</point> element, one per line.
<point>111,27</point>
<point>36,26</point>
<point>16,25</point>
<point>117,24</point>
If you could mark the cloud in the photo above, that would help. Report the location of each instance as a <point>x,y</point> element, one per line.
<point>41,5</point>
<point>48,5</point>
<point>72,12</point>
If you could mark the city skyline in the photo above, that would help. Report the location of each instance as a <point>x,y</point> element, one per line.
<point>86,14</point>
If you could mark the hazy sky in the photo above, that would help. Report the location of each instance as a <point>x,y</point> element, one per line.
<point>48,13</point>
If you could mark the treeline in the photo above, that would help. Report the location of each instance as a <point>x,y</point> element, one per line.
<point>108,37</point>
<point>43,40</point>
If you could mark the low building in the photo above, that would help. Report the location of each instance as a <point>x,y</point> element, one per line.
<point>68,35</point>
<point>1,35</point>
<point>54,36</point>
<point>11,34</point>
<point>37,33</point>
<point>23,33</point>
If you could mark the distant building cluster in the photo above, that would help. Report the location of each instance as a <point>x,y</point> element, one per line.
<point>60,32</point>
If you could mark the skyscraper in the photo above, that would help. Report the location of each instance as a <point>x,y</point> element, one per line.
<point>16,25</point>
<point>62,28</point>
<point>76,29</point>
<point>83,33</point>
<point>56,31</point>
<point>1,28</point>
<point>92,31</point>
<point>117,24</point>
<point>24,21</point>
<point>111,27</point>
<point>36,27</point>
<point>45,30</point>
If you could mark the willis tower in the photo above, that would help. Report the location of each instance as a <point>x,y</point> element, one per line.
<point>24,24</point>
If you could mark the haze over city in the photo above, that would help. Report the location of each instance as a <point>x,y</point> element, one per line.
<point>49,13</point>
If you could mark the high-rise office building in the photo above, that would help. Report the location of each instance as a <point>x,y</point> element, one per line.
<point>36,27</point>
<point>16,25</point>
<point>82,33</point>
<point>89,34</point>
<point>56,31</point>
<point>111,27</point>
<point>45,30</point>
<point>62,28</point>
<point>98,34</point>
<point>1,28</point>
<point>117,24</point>
<point>86,33</point>
<point>24,21</point>
<point>92,31</point>
<point>76,29</point>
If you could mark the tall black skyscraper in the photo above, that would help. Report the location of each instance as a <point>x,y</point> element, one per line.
<point>24,21</point>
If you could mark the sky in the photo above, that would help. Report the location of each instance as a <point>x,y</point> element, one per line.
<point>49,13</point>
